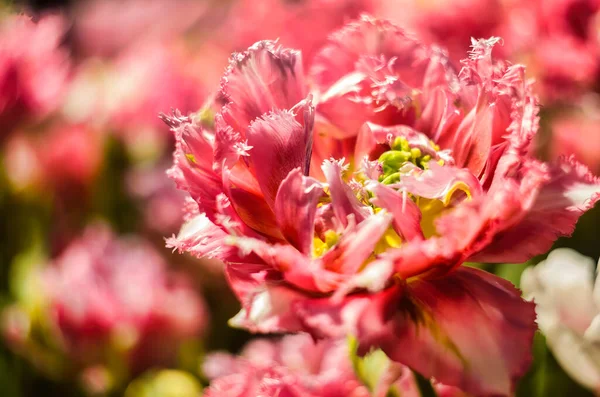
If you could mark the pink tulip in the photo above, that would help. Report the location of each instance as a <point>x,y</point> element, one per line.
<point>354,192</point>
<point>297,24</point>
<point>33,69</point>
<point>576,132</point>
<point>106,28</point>
<point>298,365</point>
<point>539,33</point>
<point>116,295</point>
<point>294,364</point>
<point>62,158</point>
<point>160,201</point>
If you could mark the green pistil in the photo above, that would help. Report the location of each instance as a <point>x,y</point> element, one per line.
<point>392,160</point>
<point>400,154</point>
<point>392,178</point>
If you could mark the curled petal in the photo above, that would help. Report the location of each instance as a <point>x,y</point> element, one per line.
<point>269,310</point>
<point>553,212</point>
<point>440,183</point>
<point>473,138</point>
<point>296,268</point>
<point>202,238</point>
<point>250,205</point>
<point>407,216</point>
<point>343,200</point>
<point>279,144</point>
<point>192,168</point>
<point>357,76</point>
<point>264,78</point>
<point>265,301</point>
<point>422,324</point>
<point>295,209</point>
<point>431,256</point>
<point>347,256</point>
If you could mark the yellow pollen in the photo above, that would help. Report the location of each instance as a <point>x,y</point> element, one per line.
<point>320,247</point>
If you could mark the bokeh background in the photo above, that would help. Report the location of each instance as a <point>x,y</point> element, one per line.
<point>92,301</point>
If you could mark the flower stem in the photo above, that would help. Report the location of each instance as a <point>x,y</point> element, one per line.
<point>424,386</point>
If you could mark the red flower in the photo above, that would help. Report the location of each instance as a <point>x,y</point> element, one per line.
<point>440,171</point>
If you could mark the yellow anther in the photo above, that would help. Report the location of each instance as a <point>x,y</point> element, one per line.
<point>415,153</point>
<point>331,238</point>
<point>320,247</point>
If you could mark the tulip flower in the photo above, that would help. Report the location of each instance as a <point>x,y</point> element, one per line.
<point>344,200</point>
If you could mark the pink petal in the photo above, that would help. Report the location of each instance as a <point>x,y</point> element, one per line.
<point>446,328</point>
<point>553,213</point>
<point>265,301</point>
<point>257,381</point>
<point>250,206</point>
<point>296,268</point>
<point>435,255</point>
<point>295,209</point>
<point>439,181</point>
<point>359,58</point>
<point>202,238</point>
<point>407,216</point>
<point>347,256</point>
<point>440,117</point>
<point>269,311</point>
<point>192,169</point>
<point>473,138</point>
<point>279,144</point>
<point>326,147</point>
<point>343,200</point>
<point>266,77</point>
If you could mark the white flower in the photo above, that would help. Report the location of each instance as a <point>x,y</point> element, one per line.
<point>568,311</point>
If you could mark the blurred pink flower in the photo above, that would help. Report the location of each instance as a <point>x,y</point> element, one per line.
<point>70,154</point>
<point>545,33</point>
<point>161,202</point>
<point>303,24</point>
<point>108,27</point>
<point>449,26</point>
<point>126,94</point>
<point>298,365</point>
<point>440,171</point>
<point>294,364</point>
<point>538,33</point>
<point>61,157</point>
<point>107,294</point>
<point>577,132</point>
<point>33,68</point>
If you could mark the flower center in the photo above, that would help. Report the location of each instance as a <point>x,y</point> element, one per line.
<point>401,154</point>
<point>404,159</point>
